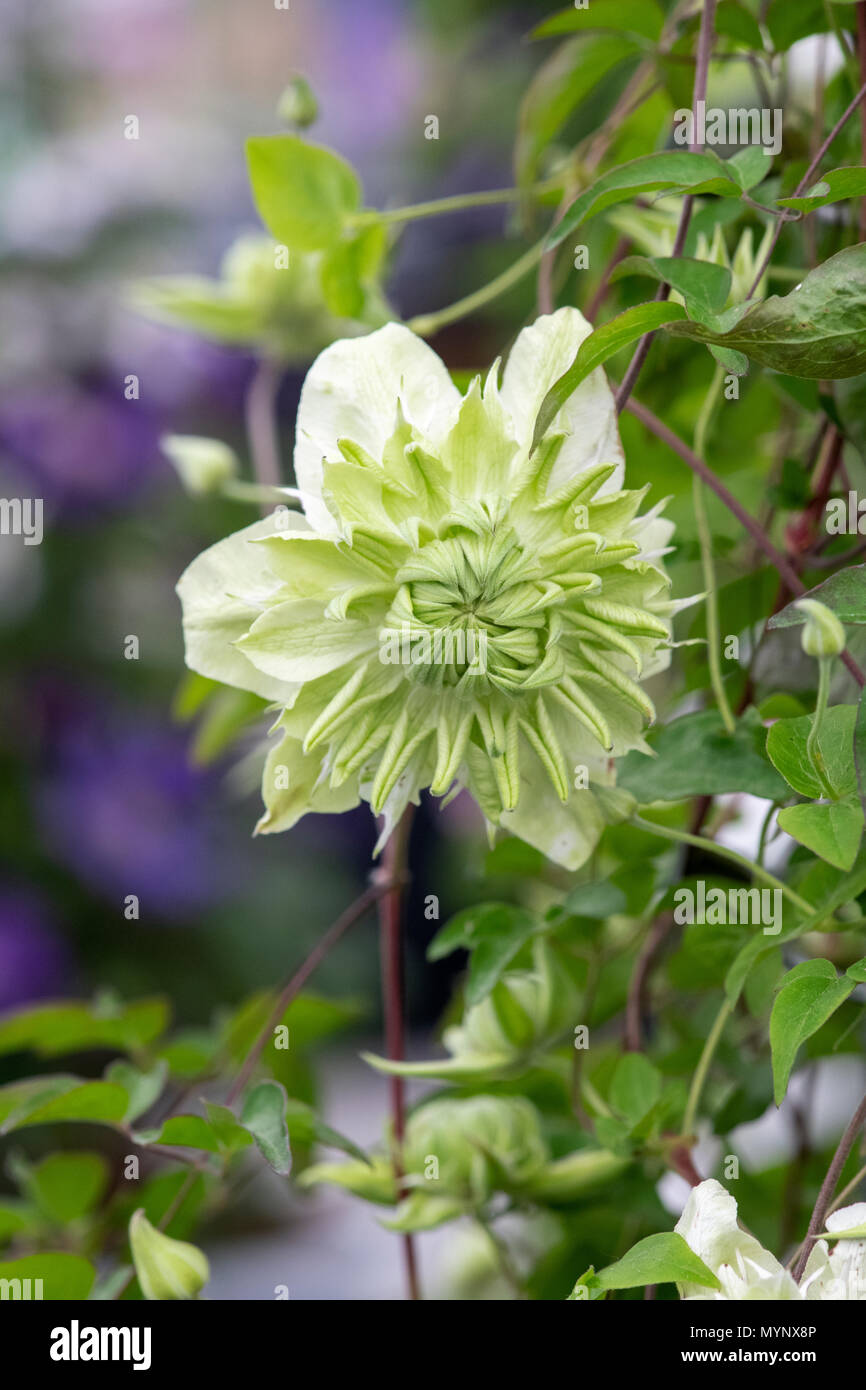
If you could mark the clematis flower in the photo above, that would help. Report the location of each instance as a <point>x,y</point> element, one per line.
<point>746,1271</point>
<point>453,608</point>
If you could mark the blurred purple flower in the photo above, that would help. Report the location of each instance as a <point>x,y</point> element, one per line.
<point>124,808</point>
<point>34,963</point>
<point>79,447</point>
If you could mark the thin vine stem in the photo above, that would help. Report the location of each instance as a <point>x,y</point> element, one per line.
<point>702,1070</point>
<point>456,202</point>
<point>705,540</point>
<point>425,325</point>
<point>828,1186</point>
<point>813,750</point>
<point>683,837</point>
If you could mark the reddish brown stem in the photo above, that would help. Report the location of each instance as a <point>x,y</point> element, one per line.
<point>394,871</point>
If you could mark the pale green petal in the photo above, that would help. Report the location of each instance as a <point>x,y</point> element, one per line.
<point>294,641</point>
<point>351,392</point>
<point>295,782</point>
<point>222,593</point>
<point>567,832</point>
<point>541,353</point>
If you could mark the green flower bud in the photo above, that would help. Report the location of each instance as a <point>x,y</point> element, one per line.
<point>823,634</point>
<point>298,106</point>
<point>464,1150</point>
<point>203,465</point>
<point>166,1268</point>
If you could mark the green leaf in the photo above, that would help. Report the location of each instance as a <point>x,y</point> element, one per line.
<point>786,748</point>
<point>304,193</point>
<point>857,971</point>
<point>494,933</point>
<point>860,749</point>
<point>67,1185</point>
<point>641,17</point>
<point>51,1029</point>
<point>844,593</point>
<point>679,170</point>
<point>65,1098</point>
<point>597,348</point>
<point>143,1088</point>
<point>348,269</point>
<point>830,829</point>
<point>804,1003</point>
<point>635,1088</point>
<point>791,20</point>
<point>816,331</point>
<point>833,187</point>
<point>183,1132</point>
<point>65,1278</point>
<point>659,1259</point>
<point>305,1127</point>
<point>228,1131</point>
<point>695,756</point>
<point>704,286</point>
<point>599,900</point>
<point>264,1115</point>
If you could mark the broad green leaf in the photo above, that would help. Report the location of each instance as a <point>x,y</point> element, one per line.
<point>66,1098</point>
<point>659,1259</point>
<point>304,193</point>
<point>142,1087</point>
<point>703,285</point>
<point>844,593</point>
<point>857,971</point>
<point>830,829</point>
<point>802,1006</point>
<point>51,1029</point>
<point>860,749</point>
<point>786,748</point>
<point>817,331</point>
<point>641,17</point>
<point>833,187</point>
<point>227,1128</point>
<point>678,170</point>
<point>695,756</point>
<point>494,933</point>
<point>65,1278</point>
<point>603,899</point>
<point>349,267</point>
<point>597,348</point>
<point>183,1132</point>
<point>67,1185</point>
<point>264,1115</point>
<point>635,1088</point>
<point>791,20</point>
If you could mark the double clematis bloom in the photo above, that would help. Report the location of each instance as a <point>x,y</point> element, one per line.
<point>746,1271</point>
<point>453,608</point>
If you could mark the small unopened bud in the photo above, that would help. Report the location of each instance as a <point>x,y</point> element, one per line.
<point>203,465</point>
<point>166,1268</point>
<point>823,634</point>
<point>298,106</point>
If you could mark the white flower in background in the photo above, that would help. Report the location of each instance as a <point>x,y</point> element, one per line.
<point>432,527</point>
<point>746,1271</point>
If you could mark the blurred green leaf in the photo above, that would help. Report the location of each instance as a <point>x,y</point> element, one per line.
<point>304,193</point>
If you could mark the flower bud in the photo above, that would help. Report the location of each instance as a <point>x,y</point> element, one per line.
<point>203,465</point>
<point>823,634</point>
<point>298,106</point>
<point>166,1268</point>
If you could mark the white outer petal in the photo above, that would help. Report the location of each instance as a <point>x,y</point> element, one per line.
<point>709,1227</point>
<point>351,392</point>
<point>222,592</point>
<point>540,355</point>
